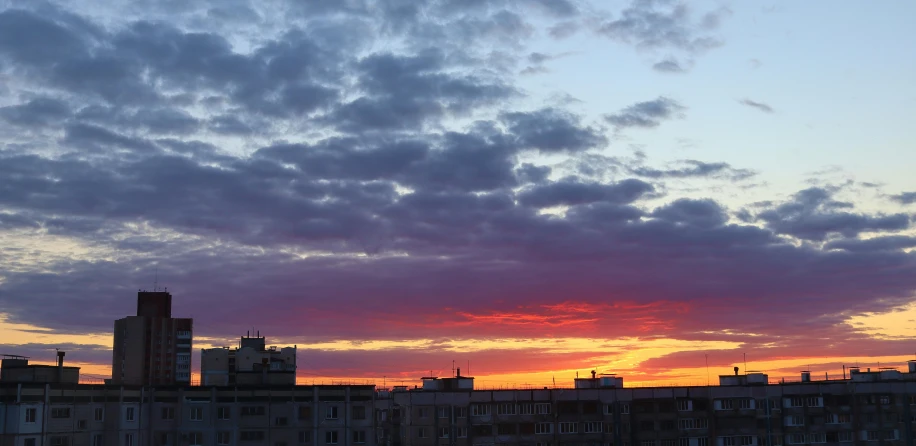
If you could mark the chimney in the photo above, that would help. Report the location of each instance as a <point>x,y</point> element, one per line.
<point>60,366</point>
<point>459,372</point>
<point>736,370</point>
<point>593,374</point>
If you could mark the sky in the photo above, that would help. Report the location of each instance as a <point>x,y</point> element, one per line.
<point>527,189</point>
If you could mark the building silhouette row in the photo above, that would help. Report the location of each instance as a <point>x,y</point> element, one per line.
<point>248,396</point>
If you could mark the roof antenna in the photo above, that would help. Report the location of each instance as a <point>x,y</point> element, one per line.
<point>156,281</point>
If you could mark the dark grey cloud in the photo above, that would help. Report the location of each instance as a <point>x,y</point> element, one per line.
<point>647,114</point>
<point>813,214</point>
<point>885,243</point>
<point>758,105</point>
<point>572,192</point>
<point>552,130</point>
<point>695,169</point>
<point>703,213</point>
<point>671,65</point>
<point>406,92</point>
<point>40,111</point>
<point>660,24</point>
<point>905,198</point>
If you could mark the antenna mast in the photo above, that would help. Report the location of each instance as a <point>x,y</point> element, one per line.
<point>156,280</point>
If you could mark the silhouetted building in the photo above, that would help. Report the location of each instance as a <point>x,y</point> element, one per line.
<point>252,363</point>
<point>152,348</point>
<point>17,369</point>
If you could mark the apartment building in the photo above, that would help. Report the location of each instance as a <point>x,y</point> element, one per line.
<point>105,415</point>
<point>252,363</point>
<point>867,409</point>
<point>152,348</point>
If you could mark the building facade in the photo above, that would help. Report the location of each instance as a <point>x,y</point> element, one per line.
<point>152,348</point>
<point>108,415</point>
<point>252,363</point>
<point>867,409</point>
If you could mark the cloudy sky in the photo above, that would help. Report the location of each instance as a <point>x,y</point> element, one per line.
<point>531,188</point>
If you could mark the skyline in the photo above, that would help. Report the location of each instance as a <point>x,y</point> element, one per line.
<point>538,187</point>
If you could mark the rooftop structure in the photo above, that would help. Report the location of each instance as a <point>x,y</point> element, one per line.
<point>252,363</point>
<point>15,368</point>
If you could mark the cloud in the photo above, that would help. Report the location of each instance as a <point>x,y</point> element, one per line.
<point>671,65</point>
<point>905,198</point>
<point>758,105</point>
<point>692,169</point>
<point>552,130</point>
<point>651,24</point>
<point>813,214</point>
<point>647,114</point>
<point>569,193</point>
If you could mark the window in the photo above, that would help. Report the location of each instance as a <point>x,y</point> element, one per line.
<point>844,437</point>
<point>422,412</point>
<point>81,424</point>
<point>795,401</point>
<point>129,440</point>
<point>359,412</point>
<point>795,439</point>
<point>195,439</point>
<point>624,408</point>
<point>330,437</point>
<point>884,400</point>
<point>359,437</point>
<point>542,408</point>
<point>305,412</point>
<point>684,405</point>
<point>745,403</point>
<point>839,418</point>
<point>251,435</point>
<point>725,404</point>
<point>480,410</point>
<point>421,433</point>
<point>669,442</point>
<point>526,409</point>
<point>168,413</point>
<point>129,414</point>
<point>222,437</point>
<point>98,440</point>
<point>60,412</point>
<point>281,421</point>
<point>814,401</point>
<point>543,428</point>
<point>197,413</point>
<point>443,432</point>
<point>647,443</point>
<point>442,412</point>
<point>305,436</point>
<point>693,423</point>
<point>569,427</point>
<point>62,441</point>
<point>462,432</point>
<point>505,409</point>
<point>30,415</point>
<point>461,412</point>
<point>223,413</point>
<point>29,442</point>
<point>250,411</point>
<point>330,413</point>
<point>593,427</point>
<point>817,438</point>
<point>795,420</point>
<point>99,414</point>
